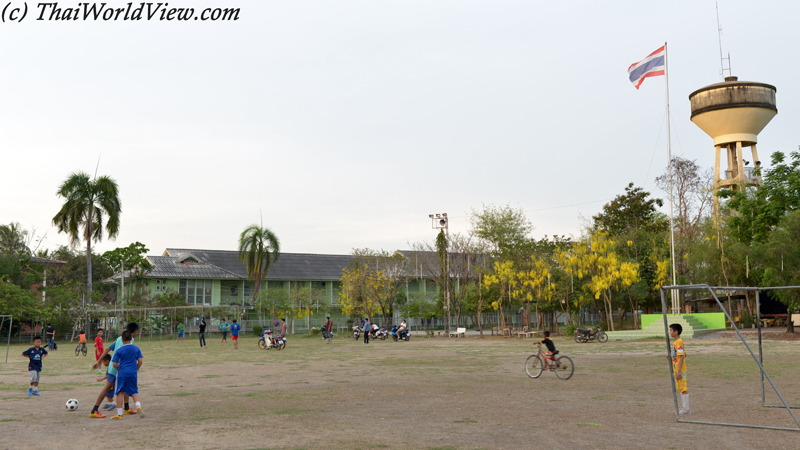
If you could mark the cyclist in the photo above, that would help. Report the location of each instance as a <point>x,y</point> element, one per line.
<point>551,348</point>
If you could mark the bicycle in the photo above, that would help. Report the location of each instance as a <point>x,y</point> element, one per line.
<point>81,348</point>
<point>562,365</point>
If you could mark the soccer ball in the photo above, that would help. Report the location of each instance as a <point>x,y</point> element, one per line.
<point>72,404</point>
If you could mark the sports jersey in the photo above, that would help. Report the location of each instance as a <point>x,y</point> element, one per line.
<point>127,357</point>
<point>677,352</point>
<point>35,358</point>
<point>181,328</point>
<point>98,343</point>
<point>83,337</point>
<point>117,344</point>
<point>549,344</point>
<point>235,327</point>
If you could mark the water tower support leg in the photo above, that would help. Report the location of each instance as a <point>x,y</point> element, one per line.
<point>739,162</point>
<point>730,159</point>
<point>755,154</point>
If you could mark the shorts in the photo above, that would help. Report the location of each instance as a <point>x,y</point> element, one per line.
<point>235,338</point>
<point>224,335</point>
<point>111,379</point>
<point>126,385</point>
<point>681,384</point>
<point>549,355</point>
<point>180,335</point>
<point>35,376</point>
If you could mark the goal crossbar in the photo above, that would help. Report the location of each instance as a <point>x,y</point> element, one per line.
<point>758,359</point>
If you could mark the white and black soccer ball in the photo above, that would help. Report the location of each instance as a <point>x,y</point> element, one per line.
<point>72,404</point>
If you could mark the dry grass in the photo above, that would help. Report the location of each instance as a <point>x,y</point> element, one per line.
<point>425,394</point>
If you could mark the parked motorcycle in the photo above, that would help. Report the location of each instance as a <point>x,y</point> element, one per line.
<point>357,332</point>
<point>403,336</point>
<point>268,341</point>
<point>381,334</point>
<point>583,335</point>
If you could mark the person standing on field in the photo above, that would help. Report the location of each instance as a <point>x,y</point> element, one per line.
<point>328,328</point>
<point>202,334</point>
<point>235,327</point>
<point>366,330</point>
<point>51,337</point>
<point>223,326</point>
<point>181,329</point>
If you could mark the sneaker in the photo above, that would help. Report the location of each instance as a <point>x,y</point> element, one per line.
<point>685,412</point>
<point>140,411</point>
<point>129,411</point>
<point>116,417</point>
<point>109,406</point>
<point>30,392</point>
<point>36,393</point>
<point>97,415</point>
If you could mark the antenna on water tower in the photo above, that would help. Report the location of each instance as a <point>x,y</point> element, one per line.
<point>721,58</point>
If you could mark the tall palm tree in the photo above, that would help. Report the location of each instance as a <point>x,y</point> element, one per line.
<point>13,240</point>
<point>258,249</point>
<point>87,202</point>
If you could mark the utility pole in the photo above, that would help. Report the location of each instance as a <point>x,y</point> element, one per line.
<point>122,277</point>
<point>438,222</point>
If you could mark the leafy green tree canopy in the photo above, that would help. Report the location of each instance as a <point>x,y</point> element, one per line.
<point>632,210</point>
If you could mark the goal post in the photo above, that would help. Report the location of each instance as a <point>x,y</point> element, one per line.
<point>758,359</point>
<point>10,318</point>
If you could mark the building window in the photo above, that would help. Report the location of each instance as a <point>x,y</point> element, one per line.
<point>161,284</point>
<point>196,292</point>
<point>246,290</point>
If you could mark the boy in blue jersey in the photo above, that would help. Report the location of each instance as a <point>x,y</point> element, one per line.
<point>133,327</point>
<point>127,360</point>
<point>35,355</point>
<point>235,327</point>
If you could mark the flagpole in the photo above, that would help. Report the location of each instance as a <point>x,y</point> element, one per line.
<point>675,307</point>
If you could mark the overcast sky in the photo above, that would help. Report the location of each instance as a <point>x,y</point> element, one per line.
<point>347,122</point>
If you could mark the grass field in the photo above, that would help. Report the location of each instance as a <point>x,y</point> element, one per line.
<point>454,394</point>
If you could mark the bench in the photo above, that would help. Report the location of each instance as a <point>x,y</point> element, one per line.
<point>460,332</point>
<point>525,332</point>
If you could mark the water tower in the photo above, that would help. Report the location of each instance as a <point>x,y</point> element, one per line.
<point>733,113</point>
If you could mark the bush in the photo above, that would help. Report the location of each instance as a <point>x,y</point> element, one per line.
<point>315,332</point>
<point>258,330</point>
<point>747,320</point>
<point>569,330</point>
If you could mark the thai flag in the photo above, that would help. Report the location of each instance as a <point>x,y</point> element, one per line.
<point>654,65</point>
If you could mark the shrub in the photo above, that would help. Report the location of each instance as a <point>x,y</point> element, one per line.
<point>258,330</point>
<point>569,330</point>
<point>315,331</point>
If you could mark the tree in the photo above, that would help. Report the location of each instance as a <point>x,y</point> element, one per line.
<point>781,255</point>
<point>631,211</point>
<point>372,281</point>
<point>505,229</point>
<point>13,240</point>
<point>258,249</point>
<point>87,202</point>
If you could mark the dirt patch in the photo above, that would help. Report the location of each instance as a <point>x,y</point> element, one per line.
<point>425,394</point>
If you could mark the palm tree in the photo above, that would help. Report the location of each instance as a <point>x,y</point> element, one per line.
<point>13,240</point>
<point>258,249</point>
<point>87,202</point>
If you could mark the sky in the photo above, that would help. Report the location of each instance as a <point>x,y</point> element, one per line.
<point>344,124</point>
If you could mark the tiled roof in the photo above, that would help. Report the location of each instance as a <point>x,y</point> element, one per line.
<point>289,266</point>
<point>168,267</point>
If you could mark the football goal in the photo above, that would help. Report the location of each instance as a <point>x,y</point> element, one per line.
<point>3,319</point>
<point>759,359</point>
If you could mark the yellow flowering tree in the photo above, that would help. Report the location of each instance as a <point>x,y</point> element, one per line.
<point>534,285</point>
<point>504,276</point>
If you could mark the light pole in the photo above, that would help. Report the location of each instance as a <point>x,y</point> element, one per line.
<point>439,222</point>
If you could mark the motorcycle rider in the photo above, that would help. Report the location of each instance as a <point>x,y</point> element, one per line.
<point>374,330</point>
<point>403,328</point>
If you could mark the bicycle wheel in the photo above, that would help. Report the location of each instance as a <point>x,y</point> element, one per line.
<point>564,367</point>
<point>77,350</point>
<point>84,350</point>
<point>533,366</point>
<point>262,344</point>
<point>602,337</point>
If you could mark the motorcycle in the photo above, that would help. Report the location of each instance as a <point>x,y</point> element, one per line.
<point>325,333</point>
<point>583,335</point>
<point>381,334</point>
<point>356,332</point>
<point>268,341</point>
<point>403,336</point>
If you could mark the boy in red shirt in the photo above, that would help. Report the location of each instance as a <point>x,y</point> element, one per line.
<point>98,345</point>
